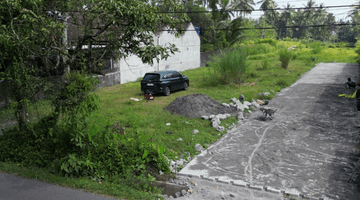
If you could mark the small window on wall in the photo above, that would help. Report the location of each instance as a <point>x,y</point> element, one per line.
<point>167,66</point>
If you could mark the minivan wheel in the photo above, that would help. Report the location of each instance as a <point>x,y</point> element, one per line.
<point>186,86</point>
<point>167,91</point>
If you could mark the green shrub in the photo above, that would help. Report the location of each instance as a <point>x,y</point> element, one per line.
<point>285,57</point>
<point>116,155</point>
<point>103,153</point>
<point>282,46</point>
<point>255,49</point>
<point>231,67</point>
<point>268,41</point>
<point>342,44</point>
<point>286,39</point>
<point>206,47</point>
<point>252,74</point>
<point>294,56</point>
<point>357,51</point>
<point>248,42</point>
<point>316,47</point>
<point>34,146</point>
<point>256,57</point>
<point>265,64</point>
<point>307,42</point>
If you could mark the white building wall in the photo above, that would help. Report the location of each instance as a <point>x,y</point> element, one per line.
<point>132,68</point>
<point>188,56</point>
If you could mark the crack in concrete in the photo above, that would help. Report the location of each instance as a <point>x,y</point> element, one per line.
<point>249,164</point>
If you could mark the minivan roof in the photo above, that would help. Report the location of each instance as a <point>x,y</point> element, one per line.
<point>162,72</point>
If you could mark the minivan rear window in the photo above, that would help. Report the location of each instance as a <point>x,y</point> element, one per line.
<point>152,77</point>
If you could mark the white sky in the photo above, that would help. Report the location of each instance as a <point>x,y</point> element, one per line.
<point>340,13</point>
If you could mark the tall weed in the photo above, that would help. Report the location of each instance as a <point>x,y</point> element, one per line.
<point>285,57</point>
<point>316,47</point>
<point>231,67</point>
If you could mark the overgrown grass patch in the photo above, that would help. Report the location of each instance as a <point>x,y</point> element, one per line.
<point>230,67</point>
<point>255,49</point>
<point>340,55</point>
<point>270,41</point>
<point>285,56</point>
<point>316,47</point>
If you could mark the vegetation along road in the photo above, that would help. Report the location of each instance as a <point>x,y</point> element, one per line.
<point>123,137</point>
<point>56,127</point>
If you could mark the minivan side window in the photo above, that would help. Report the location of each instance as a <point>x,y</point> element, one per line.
<point>176,74</point>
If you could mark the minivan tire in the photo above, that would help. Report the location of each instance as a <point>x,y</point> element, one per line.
<point>186,85</point>
<point>167,91</point>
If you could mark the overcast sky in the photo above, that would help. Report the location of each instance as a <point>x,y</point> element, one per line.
<point>340,13</point>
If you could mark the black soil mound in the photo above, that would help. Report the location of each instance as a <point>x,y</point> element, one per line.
<point>197,105</point>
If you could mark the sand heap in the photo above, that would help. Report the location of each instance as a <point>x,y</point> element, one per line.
<point>197,105</point>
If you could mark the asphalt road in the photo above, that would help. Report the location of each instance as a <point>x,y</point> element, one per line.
<point>16,188</point>
<point>309,148</point>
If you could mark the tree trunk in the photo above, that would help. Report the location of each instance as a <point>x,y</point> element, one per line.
<point>21,114</point>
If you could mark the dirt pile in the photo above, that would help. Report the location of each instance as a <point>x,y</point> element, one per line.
<point>197,105</point>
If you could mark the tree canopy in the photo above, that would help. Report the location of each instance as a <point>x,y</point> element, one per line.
<point>37,53</point>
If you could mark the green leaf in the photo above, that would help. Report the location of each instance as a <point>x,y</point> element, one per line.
<point>146,152</point>
<point>65,167</point>
<point>51,130</point>
<point>161,149</point>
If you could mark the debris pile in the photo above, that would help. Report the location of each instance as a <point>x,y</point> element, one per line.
<point>215,120</point>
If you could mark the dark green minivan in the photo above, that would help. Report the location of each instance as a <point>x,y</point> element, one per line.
<point>164,82</point>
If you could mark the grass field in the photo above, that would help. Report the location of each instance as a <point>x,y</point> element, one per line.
<point>149,118</point>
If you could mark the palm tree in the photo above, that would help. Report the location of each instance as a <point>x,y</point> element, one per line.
<point>235,34</point>
<point>319,17</point>
<point>286,17</point>
<point>301,19</point>
<point>355,10</point>
<point>288,12</point>
<point>224,5</point>
<point>298,20</point>
<point>319,11</point>
<point>270,15</point>
<point>309,11</point>
<point>355,17</point>
<point>221,20</point>
<point>244,5</point>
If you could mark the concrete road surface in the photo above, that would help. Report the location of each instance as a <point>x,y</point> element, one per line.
<point>308,149</point>
<point>16,188</point>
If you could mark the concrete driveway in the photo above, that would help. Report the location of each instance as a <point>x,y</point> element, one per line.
<point>309,148</point>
